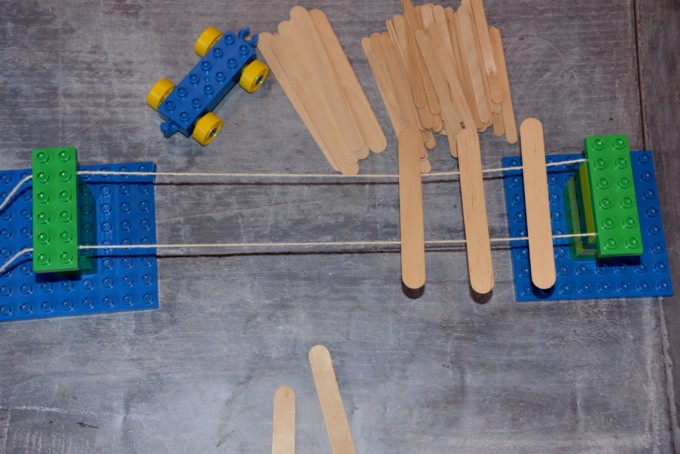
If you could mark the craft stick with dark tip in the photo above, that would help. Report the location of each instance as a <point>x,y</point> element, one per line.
<point>506,106</point>
<point>478,245</point>
<point>539,229</point>
<point>490,64</point>
<point>307,88</point>
<point>309,42</point>
<point>359,106</point>
<point>264,45</point>
<point>411,221</point>
<point>452,119</point>
<point>470,61</point>
<point>332,408</point>
<point>283,428</point>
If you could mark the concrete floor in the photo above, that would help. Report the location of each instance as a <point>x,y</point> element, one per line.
<point>441,373</point>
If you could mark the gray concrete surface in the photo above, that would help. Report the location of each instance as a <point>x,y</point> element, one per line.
<point>438,374</point>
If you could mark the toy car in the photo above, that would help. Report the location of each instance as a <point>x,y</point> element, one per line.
<point>226,60</point>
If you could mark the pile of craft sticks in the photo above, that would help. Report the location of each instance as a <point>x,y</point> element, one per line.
<point>313,70</point>
<point>441,70</point>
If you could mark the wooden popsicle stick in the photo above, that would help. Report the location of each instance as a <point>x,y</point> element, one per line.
<point>328,391</point>
<point>498,126</point>
<point>442,27</point>
<point>283,428</point>
<point>480,265</point>
<point>470,61</point>
<point>490,64</point>
<point>309,43</point>
<point>413,70</point>
<point>426,15</point>
<point>463,65</point>
<point>539,230</point>
<point>482,71</point>
<point>363,113</point>
<point>411,210</point>
<point>425,166</point>
<point>382,79</point>
<point>398,33</point>
<point>451,117</point>
<point>307,89</point>
<point>412,25</point>
<point>455,88</point>
<point>428,140</point>
<point>508,111</point>
<point>453,45</point>
<point>398,77</point>
<point>265,48</point>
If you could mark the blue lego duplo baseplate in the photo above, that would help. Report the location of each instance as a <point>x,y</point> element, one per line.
<point>589,278</point>
<point>114,209</point>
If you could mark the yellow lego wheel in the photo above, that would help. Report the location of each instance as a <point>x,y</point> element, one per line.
<point>206,40</point>
<point>206,129</point>
<point>159,92</point>
<point>253,75</point>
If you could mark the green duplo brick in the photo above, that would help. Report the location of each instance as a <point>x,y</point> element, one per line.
<point>612,196</point>
<point>55,210</point>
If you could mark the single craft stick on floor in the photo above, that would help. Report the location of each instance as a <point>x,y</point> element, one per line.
<point>283,430</point>
<point>411,210</point>
<point>541,254</point>
<point>480,265</point>
<point>334,415</point>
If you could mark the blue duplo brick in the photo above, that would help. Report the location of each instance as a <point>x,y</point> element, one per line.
<point>114,209</point>
<point>590,278</point>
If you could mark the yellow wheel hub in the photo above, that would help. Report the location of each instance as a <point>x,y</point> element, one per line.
<point>159,92</point>
<point>206,129</point>
<point>207,40</point>
<point>253,75</point>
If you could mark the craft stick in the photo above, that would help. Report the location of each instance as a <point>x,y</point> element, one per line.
<point>398,77</point>
<point>328,391</point>
<point>482,72</point>
<point>456,90</point>
<point>411,210</point>
<point>450,23</point>
<point>359,106</point>
<point>490,64</point>
<point>382,79</point>
<point>470,61</point>
<point>498,126</point>
<point>539,230</point>
<point>425,166</point>
<point>277,69</point>
<point>309,42</point>
<point>463,65</point>
<point>412,25</point>
<point>480,265</point>
<point>306,86</point>
<point>429,140</point>
<point>426,15</point>
<point>509,121</point>
<point>451,117</point>
<point>283,428</point>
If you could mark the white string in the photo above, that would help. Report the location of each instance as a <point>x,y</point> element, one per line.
<point>14,191</point>
<point>27,178</point>
<point>16,256</point>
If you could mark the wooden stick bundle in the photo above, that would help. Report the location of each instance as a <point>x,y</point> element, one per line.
<point>454,67</point>
<point>309,63</point>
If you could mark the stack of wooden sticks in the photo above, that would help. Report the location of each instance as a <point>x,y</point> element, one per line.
<point>441,70</point>
<point>309,63</point>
